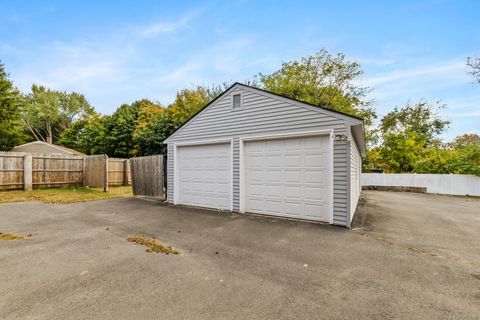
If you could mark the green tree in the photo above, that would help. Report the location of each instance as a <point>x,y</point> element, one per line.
<point>323,79</point>
<point>422,117</point>
<point>11,130</point>
<point>120,127</point>
<point>190,101</point>
<point>409,139</point>
<point>465,140</point>
<point>149,129</point>
<point>47,113</point>
<point>465,154</point>
<point>149,135</point>
<point>150,139</point>
<point>89,136</point>
<point>401,151</point>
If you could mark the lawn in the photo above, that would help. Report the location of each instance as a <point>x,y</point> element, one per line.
<point>65,195</point>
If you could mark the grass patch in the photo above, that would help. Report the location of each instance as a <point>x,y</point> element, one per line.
<point>65,195</point>
<point>153,245</point>
<point>11,236</point>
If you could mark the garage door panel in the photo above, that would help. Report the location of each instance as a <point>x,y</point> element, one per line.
<point>204,175</point>
<point>293,208</point>
<point>291,175</point>
<point>310,193</point>
<point>288,177</point>
<point>311,210</point>
<point>293,192</point>
<point>293,161</point>
<point>273,191</point>
<point>314,160</point>
<point>316,177</point>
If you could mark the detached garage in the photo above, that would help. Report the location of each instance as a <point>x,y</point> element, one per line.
<point>253,151</point>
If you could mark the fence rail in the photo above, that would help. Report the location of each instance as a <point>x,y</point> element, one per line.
<point>27,171</point>
<point>450,184</point>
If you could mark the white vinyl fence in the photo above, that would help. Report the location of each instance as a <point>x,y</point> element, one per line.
<point>452,184</point>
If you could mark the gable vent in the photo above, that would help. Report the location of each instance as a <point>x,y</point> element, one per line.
<point>237,101</point>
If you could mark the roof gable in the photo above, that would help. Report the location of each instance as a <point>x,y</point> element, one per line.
<point>54,146</point>
<point>238,86</point>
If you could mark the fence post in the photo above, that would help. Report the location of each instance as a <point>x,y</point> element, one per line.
<point>105,173</point>
<point>27,172</point>
<point>125,172</point>
<point>84,173</point>
<point>132,173</point>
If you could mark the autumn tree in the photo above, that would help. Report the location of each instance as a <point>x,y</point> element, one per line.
<point>162,122</point>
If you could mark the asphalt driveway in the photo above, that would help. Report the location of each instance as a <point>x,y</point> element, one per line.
<point>410,256</point>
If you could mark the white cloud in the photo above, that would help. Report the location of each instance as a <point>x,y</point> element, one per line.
<point>442,69</point>
<point>467,114</point>
<point>464,102</point>
<point>86,67</point>
<point>381,62</point>
<point>166,28</point>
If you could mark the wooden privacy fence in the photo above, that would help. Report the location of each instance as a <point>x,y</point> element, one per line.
<point>27,171</point>
<point>118,171</point>
<point>148,176</point>
<point>95,168</point>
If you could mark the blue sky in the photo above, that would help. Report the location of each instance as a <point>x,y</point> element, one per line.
<point>120,51</point>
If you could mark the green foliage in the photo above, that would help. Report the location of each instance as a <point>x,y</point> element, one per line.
<point>465,155</point>
<point>162,122</point>
<point>121,127</point>
<point>401,151</point>
<point>150,140</point>
<point>409,140</point>
<point>465,140</point>
<point>89,136</point>
<point>49,112</point>
<point>11,130</point>
<point>433,160</point>
<point>422,117</point>
<point>325,80</point>
<point>410,143</point>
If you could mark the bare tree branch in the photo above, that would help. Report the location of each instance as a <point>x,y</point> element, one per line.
<point>474,64</point>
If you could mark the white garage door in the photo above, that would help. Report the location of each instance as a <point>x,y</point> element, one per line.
<point>204,175</point>
<point>289,177</point>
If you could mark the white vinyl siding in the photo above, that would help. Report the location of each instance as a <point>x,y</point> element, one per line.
<point>237,101</point>
<point>265,114</point>
<point>355,178</point>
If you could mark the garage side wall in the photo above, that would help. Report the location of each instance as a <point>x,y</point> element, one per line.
<point>262,114</point>
<point>340,182</point>
<point>355,177</point>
